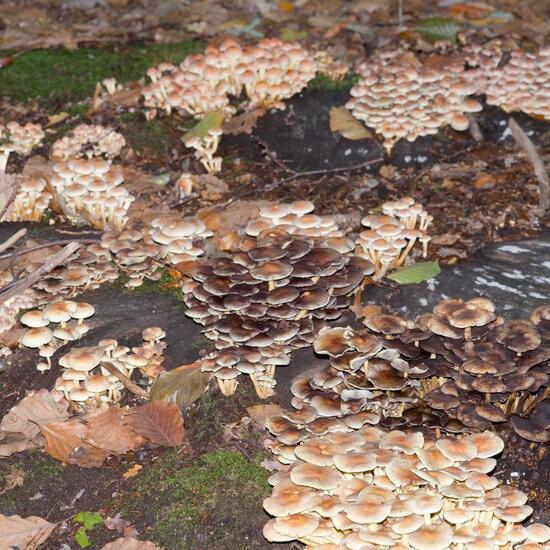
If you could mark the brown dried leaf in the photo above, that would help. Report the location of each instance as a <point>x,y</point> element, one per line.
<point>446,239</point>
<point>261,413</point>
<point>36,408</point>
<point>158,421</point>
<point>107,430</point>
<point>345,124</point>
<point>65,441</point>
<point>130,543</point>
<point>14,442</point>
<point>14,478</point>
<point>244,123</point>
<point>25,533</point>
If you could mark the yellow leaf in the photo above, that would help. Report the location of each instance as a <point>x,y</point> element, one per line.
<point>57,118</point>
<point>344,123</point>
<point>132,472</point>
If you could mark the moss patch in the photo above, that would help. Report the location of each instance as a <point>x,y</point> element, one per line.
<point>59,74</point>
<point>324,82</point>
<point>213,502</point>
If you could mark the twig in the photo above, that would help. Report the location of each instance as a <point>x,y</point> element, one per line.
<point>61,242</point>
<point>126,382</point>
<point>33,277</point>
<point>272,156</point>
<point>522,139</point>
<point>12,240</point>
<point>8,181</point>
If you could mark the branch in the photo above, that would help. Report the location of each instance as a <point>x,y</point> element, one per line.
<point>7,181</point>
<point>13,239</point>
<point>37,274</point>
<point>529,148</point>
<point>49,244</point>
<point>126,382</point>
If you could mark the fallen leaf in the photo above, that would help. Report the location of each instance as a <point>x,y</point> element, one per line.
<point>438,28</point>
<point>57,118</point>
<point>244,123</point>
<point>446,239</point>
<point>211,120</point>
<point>65,442</point>
<point>484,181</point>
<point>23,418</point>
<point>14,478</point>
<point>130,543</point>
<point>24,533</point>
<point>107,430</point>
<point>158,421</point>
<point>133,471</point>
<point>470,11</point>
<point>416,273</point>
<point>180,387</point>
<point>345,124</point>
<point>120,525</point>
<point>261,413</point>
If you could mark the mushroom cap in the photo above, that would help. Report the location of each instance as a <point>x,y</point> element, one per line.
<point>151,334</point>
<point>296,525</point>
<point>34,319</point>
<point>457,449</point>
<point>288,498</point>
<point>83,359</point>
<point>59,312</point>
<point>271,271</point>
<point>96,383</point>
<point>318,477</point>
<point>432,537</point>
<point>37,337</point>
<point>368,511</point>
<point>83,310</point>
<point>79,395</point>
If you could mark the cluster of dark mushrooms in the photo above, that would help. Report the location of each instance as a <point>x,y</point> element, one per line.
<point>262,302</point>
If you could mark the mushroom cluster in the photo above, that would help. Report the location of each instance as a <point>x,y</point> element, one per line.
<point>260,303</point>
<point>269,72</point>
<point>178,239</point>
<point>67,315</point>
<point>18,138</point>
<point>401,100</point>
<point>91,190</point>
<point>86,382</point>
<point>30,202</point>
<point>392,235</point>
<point>522,84</point>
<point>88,140</point>
<point>11,307</point>
<point>296,218</point>
<point>474,368</point>
<point>362,488</point>
<point>205,147</point>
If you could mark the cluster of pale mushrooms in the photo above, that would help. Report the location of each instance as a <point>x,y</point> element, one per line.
<point>349,479</point>
<point>399,97</point>
<point>31,200</point>
<point>392,235</point>
<point>87,140</point>
<point>18,138</point>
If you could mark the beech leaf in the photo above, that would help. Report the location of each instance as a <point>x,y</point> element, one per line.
<point>345,124</point>
<point>416,273</point>
<point>130,543</point>
<point>213,119</point>
<point>438,28</point>
<point>25,533</point>
<point>158,421</point>
<point>180,387</point>
<point>108,431</point>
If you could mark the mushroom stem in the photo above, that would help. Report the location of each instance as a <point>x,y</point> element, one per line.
<point>468,334</point>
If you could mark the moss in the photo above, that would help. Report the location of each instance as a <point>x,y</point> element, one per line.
<point>325,82</point>
<point>212,502</point>
<point>162,286</point>
<point>59,74</point>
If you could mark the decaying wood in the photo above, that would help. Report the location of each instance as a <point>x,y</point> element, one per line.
<point>12,240</point>
<point>529,148</point>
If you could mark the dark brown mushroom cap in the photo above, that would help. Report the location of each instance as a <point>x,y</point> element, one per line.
<point>488,384</point>
<point>267,253</point>
<point>470,317</point>
<point>364,266</point>
<point>475,366</point>
<point>327,259</point>
<point>365,343</point>
<point>442,401</point>
<point>442,327</point>
<point>383,376</point>
<point>518,382</point>
<point>256,311</point>
<point>223,267</point>
<point>529,430</point>
<point>271,271</point>
<point>283,311</point>
<point>447,307</point>
<point>284,331</point>
<point>298,248</point>
<point>468,415</point>
<point>518,335</point>
<point>490,412</point>
<point>282,295</point>
<point>386,323</point>
<point>218,286</point>
<point>236,302</point>
<point>312,299</point>
<point>333,341</point>
<point>245,290</point>
<point>305,269</point>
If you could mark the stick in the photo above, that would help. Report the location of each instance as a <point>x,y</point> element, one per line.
<point>28,281</point>
<point>529,148</point>
<point>18,253</point>
<point>12,240</point>
<point>9,181</point>
<point>126,382</point>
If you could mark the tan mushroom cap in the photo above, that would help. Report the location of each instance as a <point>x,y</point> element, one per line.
<point>457,449</point>
<point>34,319</point>
<point>83,359</point>
<point>538,532</point>
<point>79,395</point>
<point>59,312</point>
<point>96,383</point>
<point>487,444</point>
<point>271,271</point>
<point>368,511</point>
<point>37,337</point>
<point>296,525</point>
<point>288,498</point>
<point>355,462</point>
<point>318,477</point>
<point>83,310</point>
<point>432,537</point>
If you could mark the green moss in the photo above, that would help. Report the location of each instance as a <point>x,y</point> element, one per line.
<point>161,286</point>
<point>325,82</point>
<point>58,74</point>
<point>212,502</point>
